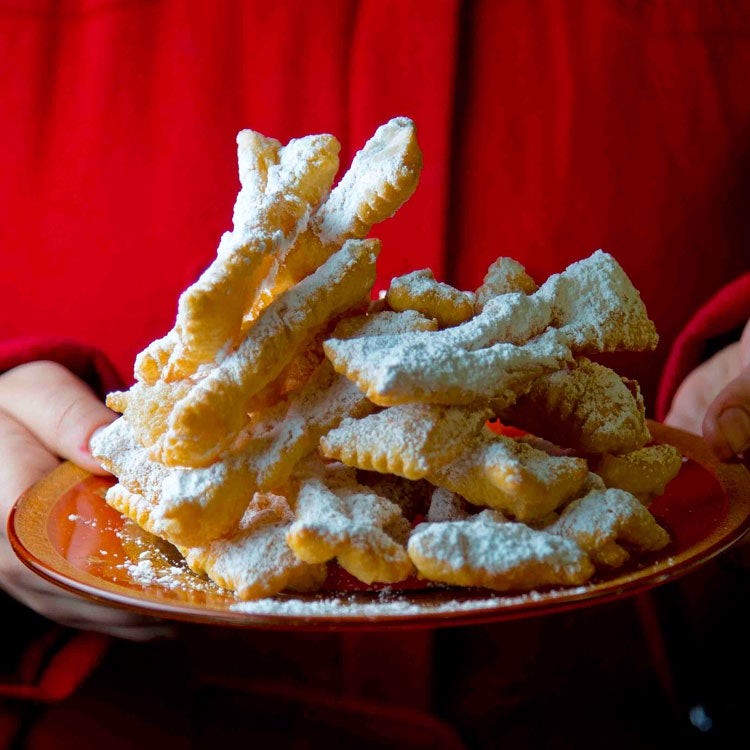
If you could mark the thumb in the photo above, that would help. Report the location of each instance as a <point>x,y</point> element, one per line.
<point>57,407</point>
<point>726,425</point>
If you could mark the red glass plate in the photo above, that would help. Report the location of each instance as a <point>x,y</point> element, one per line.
<point>63,530</point>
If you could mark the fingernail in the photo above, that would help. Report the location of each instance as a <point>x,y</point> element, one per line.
<point>734,424</point>
<point>87,447</point>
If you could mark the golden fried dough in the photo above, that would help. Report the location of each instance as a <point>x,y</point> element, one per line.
<point>503,276</point>
<point>289,421</point>
<point>605,524</point>
<point>644,473</point>
<point>420,291</point>
<point>412,440</point>
<point>586,406</point>
<point>337,518</point>
<point>496,555</point>
<point>256,561</point>
<point>208,418</point>
<point>511,476</point>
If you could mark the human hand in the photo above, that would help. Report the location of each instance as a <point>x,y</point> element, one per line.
<point>714,399</point>
<point>48,414</point>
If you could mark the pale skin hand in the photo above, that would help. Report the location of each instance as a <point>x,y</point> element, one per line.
<point>47,414</point>
<point>714,400</point>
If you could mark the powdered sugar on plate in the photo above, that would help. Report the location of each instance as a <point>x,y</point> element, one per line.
<point>387,604</point>
<point>150,562</point>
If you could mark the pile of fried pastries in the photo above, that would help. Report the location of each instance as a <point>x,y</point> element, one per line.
<point>290,420</point>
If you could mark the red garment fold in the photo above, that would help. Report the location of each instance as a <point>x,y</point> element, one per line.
<point>67,667</point>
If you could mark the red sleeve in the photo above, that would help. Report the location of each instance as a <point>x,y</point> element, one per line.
<point>87,362</point>
<point>65,666</point>
<point>727,310</point>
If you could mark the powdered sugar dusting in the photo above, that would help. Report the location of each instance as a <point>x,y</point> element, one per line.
<point>379,167</point>
<point>395,605</point>
<point>420,291</point>
<point>591,306</point>
<point>486,551</point>
<point>148,561</point>
<point>598,308</point>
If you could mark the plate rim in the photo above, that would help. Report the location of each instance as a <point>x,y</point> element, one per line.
<point>31,544</point>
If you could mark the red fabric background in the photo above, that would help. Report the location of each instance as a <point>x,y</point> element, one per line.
<point>121,172</point>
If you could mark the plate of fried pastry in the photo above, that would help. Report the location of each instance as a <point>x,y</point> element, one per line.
<point>299,451</point>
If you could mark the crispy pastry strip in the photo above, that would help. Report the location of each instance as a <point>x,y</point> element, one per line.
<point>336,518</point>
<point>592,306</point>
<point>435,371</point>
<point>596,306</point>
<point>137,508</point>
<point>286,184</point>
<point>420,291</point>
<point>496,555</point>
<point>586,407</point>
<point>209,417</point>
<point>383,323</point>
<point>383,175</point>
<point>256,561</point>
<point>511,476</point>
<point>411,440</point>
<point>182,506</point>
<point>202,504</point>
<point>600,519</point>
<point>147,408</point>
<point>503,276</point>
<point>644,473</point>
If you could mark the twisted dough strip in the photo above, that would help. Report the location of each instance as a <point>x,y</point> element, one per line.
<point>336,518</point>
<point>281,188</point>
<point>512,476</point>
<point>256,560</point>
<point>411,440</point>
<point>601,518</point>
<point>137,508</point>
<point>194,506</point>
<point>384,323</point>
<point>644,473</point>
<point>448,447</point>
<point>586,407</point>
<point>420,291</point>
<point>255,155</point>
<point>197,505</point>
<point>208,418</point>
<point>592,305</point>
<point>383,175</point>
<point>488,552</point>
<point>148,408</point>
<point>185,508</point>
<point>463,364</point>
<point>503,276</point>
<point>596,306</point>
<point>436,371</point>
